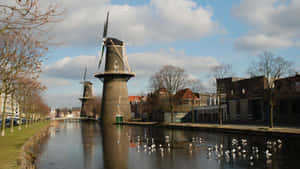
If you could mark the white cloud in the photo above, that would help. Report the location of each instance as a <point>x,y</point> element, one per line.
<point>275,24</point>
<point>158,21</point>
<point>61,75</point>
<point>145,64</point>
<point>260,42</point>
<point>52,82</point>
<point>63,99</point>
<point>71,68</point>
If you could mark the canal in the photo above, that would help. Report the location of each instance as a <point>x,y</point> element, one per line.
<point>85,145</point>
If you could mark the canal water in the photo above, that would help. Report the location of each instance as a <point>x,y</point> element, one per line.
<point>85,145</point>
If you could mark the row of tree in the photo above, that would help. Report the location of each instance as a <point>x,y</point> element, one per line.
<point>173,78</point>
<point>23,46</point>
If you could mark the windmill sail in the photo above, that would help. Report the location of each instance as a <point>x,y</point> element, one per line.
<point>84,74</point>
<point>105,26</point>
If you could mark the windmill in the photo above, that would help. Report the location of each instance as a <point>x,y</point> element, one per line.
<point>87,97</point>
<point>116,73</point>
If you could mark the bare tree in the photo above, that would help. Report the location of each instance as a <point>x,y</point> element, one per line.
<point>272,67</point>
<point>218,72</point>
<point>22,48</point>
<point>221,71</point>
<point>26,14</point>
<point>172,78</point>
<point>196,85</point>
<point>22,57</point>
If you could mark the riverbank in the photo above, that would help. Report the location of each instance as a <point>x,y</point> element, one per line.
<point>12,143</point>
<point>223,128</point>
<point>238,128</point>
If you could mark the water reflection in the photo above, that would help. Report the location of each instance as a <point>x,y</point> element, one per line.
<point>85,145</point>
<point>115,147</point>
<point>90,145</point>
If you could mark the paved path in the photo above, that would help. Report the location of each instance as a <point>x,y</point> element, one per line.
<point>139,123</point>
<point>226,127</point>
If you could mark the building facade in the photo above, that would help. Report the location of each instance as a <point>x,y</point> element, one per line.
<point>160,105</point>
<point>12,107</point>
<point>287,94</point>
<point>136,106</point>
<point>244,98</point>
<point>247,99</point>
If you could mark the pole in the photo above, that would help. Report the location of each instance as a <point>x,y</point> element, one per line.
<point>193,112</point>
<point>220,112</point>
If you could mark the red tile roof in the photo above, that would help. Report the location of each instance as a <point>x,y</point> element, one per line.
<point>186,94</point>
<point>135,98</point>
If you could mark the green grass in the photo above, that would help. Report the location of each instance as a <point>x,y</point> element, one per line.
<point>11,143</point>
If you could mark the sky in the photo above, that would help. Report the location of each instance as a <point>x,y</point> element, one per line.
<point>195,35</point>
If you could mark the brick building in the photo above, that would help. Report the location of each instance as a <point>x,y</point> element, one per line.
<point>137,106</point>
<point>156,104</point>
<point>188,97</point>
<point>184,101</point>
<point>287,93</point>
<point>244,98</point>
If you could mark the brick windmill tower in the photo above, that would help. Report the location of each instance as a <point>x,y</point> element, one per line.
<point>87,97</point>
<point>115,105</point>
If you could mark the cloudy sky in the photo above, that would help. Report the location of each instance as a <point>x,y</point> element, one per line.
<point>193,34</point>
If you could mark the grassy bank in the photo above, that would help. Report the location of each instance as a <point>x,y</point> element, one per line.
<point>11,143</point>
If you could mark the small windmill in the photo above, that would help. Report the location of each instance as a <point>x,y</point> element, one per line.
<point>87,96</point>
<point>83,80</point>
<point>115,102</point>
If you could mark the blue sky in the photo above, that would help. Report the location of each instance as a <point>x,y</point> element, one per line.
<point>193,34</point>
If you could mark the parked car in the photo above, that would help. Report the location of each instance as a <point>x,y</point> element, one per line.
<point>7,122</point>
<point>17,121</point>
<point>23,121</point>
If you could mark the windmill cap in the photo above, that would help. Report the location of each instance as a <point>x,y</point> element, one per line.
<point>115,41</point>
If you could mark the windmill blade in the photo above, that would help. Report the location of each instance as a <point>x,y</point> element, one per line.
<point>104,39</point>
<point>101,57</point>
<point>105,26</point>
<point>98,56</point>
<point>126,60</point>
<point>84,75</point>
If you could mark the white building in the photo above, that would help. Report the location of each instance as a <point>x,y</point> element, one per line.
<point>10,111</point>
<point>52,113</point>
